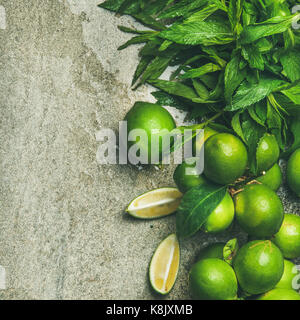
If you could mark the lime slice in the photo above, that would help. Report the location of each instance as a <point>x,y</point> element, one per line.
<point>164,265</point>
<point>155,204</point>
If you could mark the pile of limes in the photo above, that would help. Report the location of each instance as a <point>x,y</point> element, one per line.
<point>262,268</point>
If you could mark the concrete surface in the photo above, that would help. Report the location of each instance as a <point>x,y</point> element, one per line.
<point>63,233</point>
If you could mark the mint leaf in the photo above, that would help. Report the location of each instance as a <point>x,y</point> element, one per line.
<point>267,28</point>
<point>233,77</point>
<point>293,93</point>
<point>196,206</point>
<point>255,59</point>
<point>196,73</point>
<point>249,93</point>
<point>290,61</point>
<point>203,32</point>
<point>176,88</point>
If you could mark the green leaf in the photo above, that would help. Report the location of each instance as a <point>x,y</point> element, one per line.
<point>134,31</point>
<point>127,6</point>
<point>252,112</point>
<point>165,99</point>
<point>149,21</point>
<point>234,13</point>
<point>136,40</point>
<point>200,89</point>
<point>248,93</point>
<point>290,61</point>
<point>142,66</point>
<point>202,14</point>
<point>295,129</point>
<point>293,93</point>
<point>230,250</point>
<point>175,88</point>
<point>181,8</point>
<point>203,32</point>
<point>252,132</point>
<point>196,206</point>
<point>156,67</point>
<point>154,7</point>
<point>112,5</point>
<point>236,125</point>
<point>267,28</point>
<point>233,77</point>
<point>196,73</point>
<point>252,54</point>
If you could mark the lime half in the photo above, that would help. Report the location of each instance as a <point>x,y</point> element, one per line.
<point>164,265</point>
<point>155,204</point>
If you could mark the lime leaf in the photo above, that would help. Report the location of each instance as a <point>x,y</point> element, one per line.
<point>230,250</point>
<point>195,207</point>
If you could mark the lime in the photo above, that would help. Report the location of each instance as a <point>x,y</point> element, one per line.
<point>267,153</point>
<point>289,275</point>
<point>259,210</point>
<point>293,172</point>
<point>272,178</point>
<point>185,181</point>
<point>213,279</point>
<point>225,158</point>
<point>214,250</point>
<point>258,266</point>
<point>221,218</point>
<point>288,237</point>
<point>164,265</point>
<point>155,204</point>
<point>280,294</point>
<point>197,145</point>
<point>156,122</point>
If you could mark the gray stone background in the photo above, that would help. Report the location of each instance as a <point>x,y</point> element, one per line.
<point>63,232</point>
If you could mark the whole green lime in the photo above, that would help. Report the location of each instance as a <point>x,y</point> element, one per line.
<point>187,177</point>
<point>214,250</point>
<point>259,210</point>
<point>267,153</point>
<point>198,144</point>
<point>280,294</point>
<point>225,158</point>
<point>155,122</point>
<point>258,266</point>
<point>221,218</point>
<point>272,178</point>
<point>213,279</point>
<point>289,275</point>
<point>288,237</point>
<point>293,172</point>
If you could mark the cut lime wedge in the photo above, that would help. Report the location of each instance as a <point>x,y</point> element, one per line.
<point>164,265</point>
<point>155,204</point>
